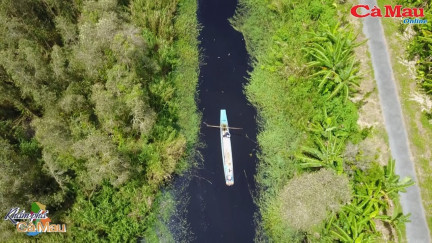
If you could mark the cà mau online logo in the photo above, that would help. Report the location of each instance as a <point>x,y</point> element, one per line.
<point>398,11</point>
<point>35,222</point>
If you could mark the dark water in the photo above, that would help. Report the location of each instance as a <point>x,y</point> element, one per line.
<point>216,212</point>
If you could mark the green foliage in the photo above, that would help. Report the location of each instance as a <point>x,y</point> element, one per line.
<point>332,58</point>
<point>113,215</point>
<point>323,153</point>
<point>420,46</point>
<point>374,189</point>
<point>158,18</point>
<point>302,78</point>
<point>93,110</point>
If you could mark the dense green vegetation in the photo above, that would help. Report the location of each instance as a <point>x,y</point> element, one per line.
<point>304,75</point>
<point>420,46</point>
<point>97,111</point>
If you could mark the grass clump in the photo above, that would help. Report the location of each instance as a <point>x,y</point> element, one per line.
<point>307,198</point>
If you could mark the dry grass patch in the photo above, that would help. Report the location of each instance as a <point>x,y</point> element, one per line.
<point>307,199</point>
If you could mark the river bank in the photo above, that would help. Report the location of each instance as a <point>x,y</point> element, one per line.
<point>303,86</point>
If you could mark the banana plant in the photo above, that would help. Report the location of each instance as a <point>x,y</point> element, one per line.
<point>392,183</point>
<point>397,220</point>
<point>351,225</point>
<point>373,191</point>
<point>346,80</point>
<point>325,153</point>
<point>333,60</point>
<point>327,126</point>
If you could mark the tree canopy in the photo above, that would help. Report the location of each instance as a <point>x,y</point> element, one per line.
<point>90,108</point>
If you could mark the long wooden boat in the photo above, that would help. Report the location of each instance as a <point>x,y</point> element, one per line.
<point>226,149</point>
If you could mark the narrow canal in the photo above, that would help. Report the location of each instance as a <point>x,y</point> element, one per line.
<point>216,212</point>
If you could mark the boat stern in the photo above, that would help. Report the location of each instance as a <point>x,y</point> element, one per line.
<point>229,180</point>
